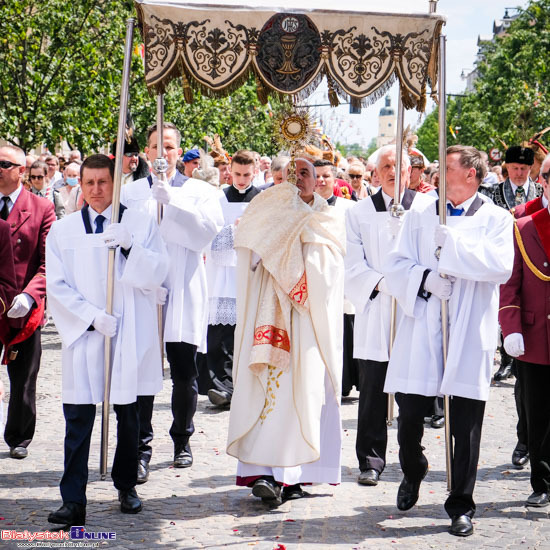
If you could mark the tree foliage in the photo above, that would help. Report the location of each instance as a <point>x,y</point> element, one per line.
<point>61,75</point>
<point>511,99</point>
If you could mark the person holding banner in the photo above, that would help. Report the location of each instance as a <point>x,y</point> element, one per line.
<point>370,235</point>
<point>192,218</point>
<point>76,270</point>
<point>463,262</point>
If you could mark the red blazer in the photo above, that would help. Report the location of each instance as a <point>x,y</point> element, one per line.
<point>525,298</point>
<point>30,220</point>
<point>8,284</point>
<point>527,208</point>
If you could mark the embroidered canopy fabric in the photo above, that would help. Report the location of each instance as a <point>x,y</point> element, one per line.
<point>215,47</point>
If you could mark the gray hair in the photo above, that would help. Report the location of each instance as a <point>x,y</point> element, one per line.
<point>386,148</point>
<point>278,164</point>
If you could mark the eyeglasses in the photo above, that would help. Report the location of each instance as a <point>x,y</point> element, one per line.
<point>130,155</point>
<point>36,177</point>
<point>545,176</point>
<point>6,164</point>
<point>355,176</point>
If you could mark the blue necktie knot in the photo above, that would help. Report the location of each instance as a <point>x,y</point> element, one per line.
<point>99,223</point>
<point>454,211</point>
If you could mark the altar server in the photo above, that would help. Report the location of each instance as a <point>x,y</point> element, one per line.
<point>76,270</point>
<point>476,251</point>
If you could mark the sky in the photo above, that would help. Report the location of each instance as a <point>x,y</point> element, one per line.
<point>466,20</point>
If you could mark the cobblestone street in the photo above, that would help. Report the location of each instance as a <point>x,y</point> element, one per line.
<point>201,507</point>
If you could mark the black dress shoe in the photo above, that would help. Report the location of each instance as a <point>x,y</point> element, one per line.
<point>369,477</point>
<point>520,457</point>
<point>71,513</point>
<point>267,489</point>
<point>143,472</point>
<point>130,503</point>
<point>437,421</point>
<point>461,526</point>
<point>537,500</point>
<point>19,452</point>
<point>219,398</point>
<point>504,372</point>
<point>407,494</point>
<point>183,458</point>
<point>293,492</point>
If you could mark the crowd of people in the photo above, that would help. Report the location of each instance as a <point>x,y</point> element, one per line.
<point>276,280</point>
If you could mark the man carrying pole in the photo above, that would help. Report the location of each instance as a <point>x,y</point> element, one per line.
<point>76,266</point>
<point>370,234</point>
<point>475,255</point>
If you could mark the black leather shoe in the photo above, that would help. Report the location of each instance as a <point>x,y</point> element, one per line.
<point>407,494</point>
<point>71,513</point>
<point>293,492</point>
<point>537,500</point>
<point>437,421</point>
<point>520,457</point>
<point>368,477</point>
<point>266,489</point>
<point>19,452</point>
<point>130,503</point>
<point>143,472</point>
<point>461,526</point>
<point>219,398</point>
<point>183,458</point>
<point>504,372</point>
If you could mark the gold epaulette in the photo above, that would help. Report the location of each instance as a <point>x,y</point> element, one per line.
<point>536,272</point>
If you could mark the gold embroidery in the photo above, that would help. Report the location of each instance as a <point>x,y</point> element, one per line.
<point>526,258</point>
<point>506,307</point>
<point>273,336</point>
<point>299,292</point>
<point>3,306</point>
<point>272,383</point>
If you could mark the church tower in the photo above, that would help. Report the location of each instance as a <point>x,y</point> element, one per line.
<point>386,124</point>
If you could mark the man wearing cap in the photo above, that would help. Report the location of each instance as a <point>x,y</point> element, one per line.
<point>133,166</point>
<point>516,190</point>
<point>416,182</point>
<point>191,160</point>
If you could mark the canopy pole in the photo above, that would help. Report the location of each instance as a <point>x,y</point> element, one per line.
<point>443,221</point>
<point>161,166</point>
<point>115,208</point>
<point>433,6</point>
<point>396,211</point>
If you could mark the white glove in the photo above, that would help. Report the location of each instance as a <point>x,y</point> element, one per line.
<point>393,225</point>
<point>161,294</point>
<point>105,323</point>
<point>20,306</point>
<point>513,344</point>
<point>438,286</point>
<point>440,235</point>
<point>162,192</point>
<point>117,234</point>
<point>383,287</point>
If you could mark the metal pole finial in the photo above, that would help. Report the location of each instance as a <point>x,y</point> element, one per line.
<point>433,6</point>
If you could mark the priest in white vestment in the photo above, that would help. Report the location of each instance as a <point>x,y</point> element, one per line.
<point>76,272</point>
<point>475,250</point>
<point>284,424</point>
<point>192,217</point>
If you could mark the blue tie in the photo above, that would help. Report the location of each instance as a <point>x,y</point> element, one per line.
<point>99,223</point>
<point>454,211</point>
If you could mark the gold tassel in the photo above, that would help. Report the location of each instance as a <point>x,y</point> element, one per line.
<point>187,92</point>
<point>332,95</point>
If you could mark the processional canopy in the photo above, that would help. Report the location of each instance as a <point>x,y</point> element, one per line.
<point>215,47</point>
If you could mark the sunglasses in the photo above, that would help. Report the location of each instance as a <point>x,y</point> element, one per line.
<point>355,176</point>
<point>6,164</point>
<point>545,176</point>
<point>36,177</point>
<point>130,155</point>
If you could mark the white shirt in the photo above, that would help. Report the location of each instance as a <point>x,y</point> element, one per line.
<point>93,215</point>
<point>525,187</point>
<point>464,205</point>
<point>13,197</point>
<point>388,199</point>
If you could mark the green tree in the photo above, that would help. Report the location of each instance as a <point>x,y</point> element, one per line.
<point>61,75</point>
<point>428,133</point>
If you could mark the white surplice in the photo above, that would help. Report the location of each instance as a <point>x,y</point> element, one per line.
<point>76,275</point>
<point>286,423</point>
<point>479,252</point>
<point>190,222</point>
<point>369,241</point>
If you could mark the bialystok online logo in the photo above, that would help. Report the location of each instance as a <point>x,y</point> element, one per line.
<point>79,533</point>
